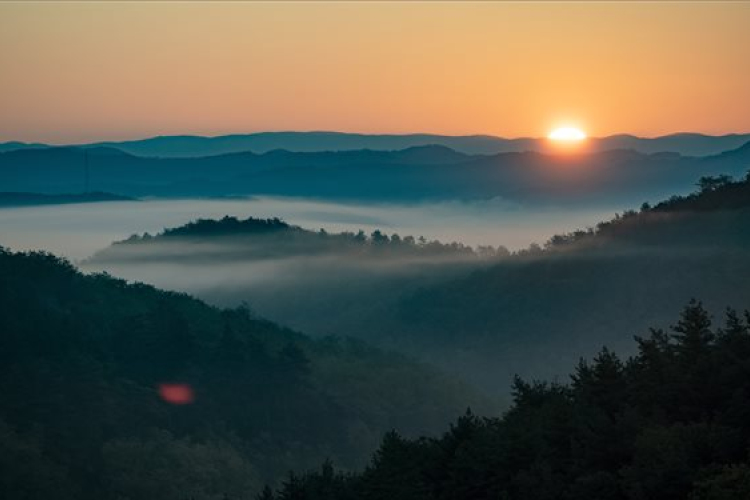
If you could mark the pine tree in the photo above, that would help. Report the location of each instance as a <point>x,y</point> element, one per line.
<point>266,494</point>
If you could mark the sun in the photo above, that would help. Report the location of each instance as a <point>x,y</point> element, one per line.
<point>567,134</point>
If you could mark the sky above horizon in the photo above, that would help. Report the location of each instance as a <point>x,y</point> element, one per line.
<point>83,72</point>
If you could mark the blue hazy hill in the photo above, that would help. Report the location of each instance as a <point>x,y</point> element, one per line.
<point>181,146</point>
<point>412,174</point>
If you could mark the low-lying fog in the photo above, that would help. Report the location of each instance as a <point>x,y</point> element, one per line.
<point>77,231</point>
<point>434,303</point>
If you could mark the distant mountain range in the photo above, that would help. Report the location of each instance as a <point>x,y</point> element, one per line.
<point>185,146</point>
<point>411,174</point>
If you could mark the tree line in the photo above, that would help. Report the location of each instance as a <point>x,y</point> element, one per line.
<point>671,423</point>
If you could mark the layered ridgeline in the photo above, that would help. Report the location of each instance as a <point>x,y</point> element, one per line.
<point>413,174</point>
<point>193,146</point>
<point>115,391</point>
<point>484,315</point>
<point>328,282</point>
<point>671,423</point>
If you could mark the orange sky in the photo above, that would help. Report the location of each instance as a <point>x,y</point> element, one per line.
<point>73,72</point>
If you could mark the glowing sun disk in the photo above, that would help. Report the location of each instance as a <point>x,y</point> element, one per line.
<point>567,134</point>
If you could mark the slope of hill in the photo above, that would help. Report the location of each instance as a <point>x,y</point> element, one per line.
<point>185,146</point>
<point>429,172</point>
<point>671,423</point>
<point>325,281</point>
<point>475,315</point>
<point>85,359</point>
<point>537,311</point>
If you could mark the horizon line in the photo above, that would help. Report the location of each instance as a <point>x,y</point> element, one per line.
<point>363,134</point>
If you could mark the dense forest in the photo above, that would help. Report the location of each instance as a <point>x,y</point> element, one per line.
<point>96,376</point>
<point>595,286</point>
<point>473,312</point>
<point>121,391</point>
<point>670,423</point>
<point>320,282</point>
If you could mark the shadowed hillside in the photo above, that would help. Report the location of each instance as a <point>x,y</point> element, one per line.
<point>329,282</point>
<point>485,314</point>
<point>543,307</point>
<point>85,359</point>
<point>669,423</point>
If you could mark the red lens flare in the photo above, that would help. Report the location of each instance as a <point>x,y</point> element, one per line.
<point>176,394</point>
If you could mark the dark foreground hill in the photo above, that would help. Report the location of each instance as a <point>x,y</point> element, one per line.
<point>113,391</point>
<point>671,423</point>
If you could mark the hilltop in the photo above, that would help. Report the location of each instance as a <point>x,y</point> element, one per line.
<point>230,238</point>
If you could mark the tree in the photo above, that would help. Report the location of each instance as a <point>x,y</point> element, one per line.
<point>730,482</point>
<point>161,466</point>
<point>602,383</point>
<point>693,335</point>
<point>266,494</point>
<point>396,471</point>
<point>378,238</point>
<point>709,183</point>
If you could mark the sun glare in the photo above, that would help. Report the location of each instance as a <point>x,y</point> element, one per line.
<point>567,134</point>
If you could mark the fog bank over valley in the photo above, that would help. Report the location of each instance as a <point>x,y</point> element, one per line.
<point>78,230</point>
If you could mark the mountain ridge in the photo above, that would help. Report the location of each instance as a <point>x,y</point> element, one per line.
<point>688,143</point>
<point>412,174</point>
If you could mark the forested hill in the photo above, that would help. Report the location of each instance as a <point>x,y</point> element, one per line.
<point>539,310</point>
<point>230,238</point>
<point>672,423</point>
<point>668,223</point>
<point>319,282</point>
<point>90,365</point>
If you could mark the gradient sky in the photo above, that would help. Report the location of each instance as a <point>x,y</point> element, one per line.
<point>78,72</point>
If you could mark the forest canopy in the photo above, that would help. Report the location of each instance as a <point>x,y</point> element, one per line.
<point>90,364</point>
<point>672,422</point>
